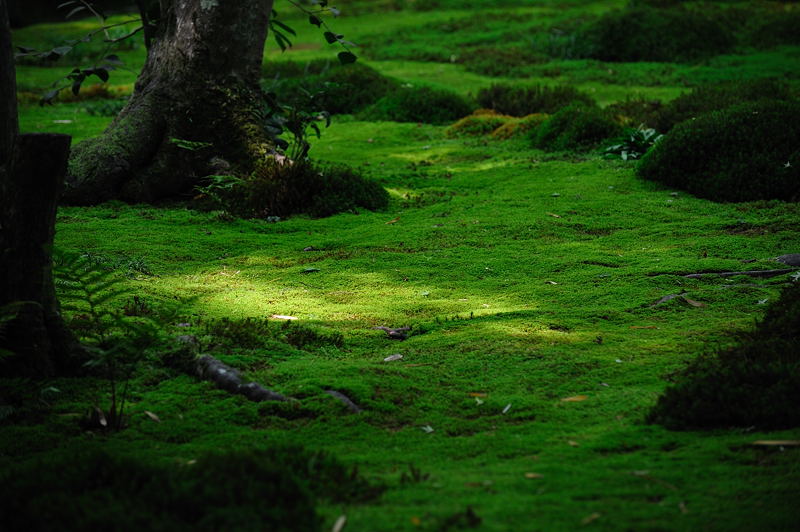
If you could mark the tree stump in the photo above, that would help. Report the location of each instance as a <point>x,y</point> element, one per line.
<point>30,187</point>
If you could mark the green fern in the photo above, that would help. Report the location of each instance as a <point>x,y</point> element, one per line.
<point>117,344</point>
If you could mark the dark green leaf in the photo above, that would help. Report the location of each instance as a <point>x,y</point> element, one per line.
<point>76,85</point>
<point>346,58</point>
<point>101,73</point>
<point>330,37</point>
<point>284,27</point>
<point>315,21</point>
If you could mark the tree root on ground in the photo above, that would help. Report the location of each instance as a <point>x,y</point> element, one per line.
<point>229,379</point>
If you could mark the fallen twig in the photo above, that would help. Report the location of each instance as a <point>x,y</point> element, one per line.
<point>751,273</point>
<point>395,334</point>
<point>229,379</point>
<point>344,400</point>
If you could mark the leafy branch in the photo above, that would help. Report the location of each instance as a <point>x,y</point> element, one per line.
<point>314,18</point>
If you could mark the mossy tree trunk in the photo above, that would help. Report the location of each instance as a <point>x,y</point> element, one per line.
<point>31,175</point>
<point>199,84</point>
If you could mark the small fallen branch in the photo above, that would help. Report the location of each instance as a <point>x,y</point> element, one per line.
<point>682,296</point>
<point>395,334</point>
<point>229,379</point>
<point>346,401</point>
<point>751,273</point>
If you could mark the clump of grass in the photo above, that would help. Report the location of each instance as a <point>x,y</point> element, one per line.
<point>744,153</point>
<point>523,101</point>
<point>653,34</point>
<point>276,488</point>
<point>419,103</point>
<point>575,127</point>
<point>754,384</point>
<point>718,96</point>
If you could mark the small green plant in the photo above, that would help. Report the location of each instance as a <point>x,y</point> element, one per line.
<point>633,143</point>
<point>218,190</point>
<point>414,475</point>
<point>116,345</point>
<point>523,101</point>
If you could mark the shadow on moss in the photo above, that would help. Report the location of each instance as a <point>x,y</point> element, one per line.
<point>754,384</point>
<point>91,489</point>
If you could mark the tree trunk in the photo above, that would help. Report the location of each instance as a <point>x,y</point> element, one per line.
<point>199,84</point>
<point>8,92</point>
<point>31,175</point>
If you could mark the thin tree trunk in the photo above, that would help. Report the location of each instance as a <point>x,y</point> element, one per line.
<point>31,175</point>
<point>199,84</point>
<point>8,91</point>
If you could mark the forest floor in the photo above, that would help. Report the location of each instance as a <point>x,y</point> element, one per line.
<point>530,282</point>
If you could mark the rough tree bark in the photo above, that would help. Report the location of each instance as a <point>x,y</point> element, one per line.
<point>200,84</point>
<point>31,175</point>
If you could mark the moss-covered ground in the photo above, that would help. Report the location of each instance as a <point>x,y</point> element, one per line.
<point>529,280</point>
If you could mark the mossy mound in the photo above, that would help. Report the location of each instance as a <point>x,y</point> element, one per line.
<point>718,96</point>
<point>509,61</point>
<point>282,189</point>
<point>520,127</point>
<point>755,384</point>
<point>478,124</point>
<point>419,103</point>
<point>653,34</point>
<point>776,29</point>
<point>522,101</point>
<point>337,89</point>
<point>573,128</point>
<point>745,153</point>
<point>272,489</point>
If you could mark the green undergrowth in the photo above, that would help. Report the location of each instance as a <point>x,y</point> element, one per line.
<point>530,283</point>
<point>545,292</point>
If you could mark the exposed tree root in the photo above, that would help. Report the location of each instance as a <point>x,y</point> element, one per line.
<point>229,379</point>
<point>344,400</point>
